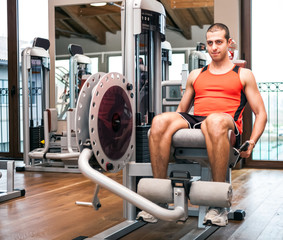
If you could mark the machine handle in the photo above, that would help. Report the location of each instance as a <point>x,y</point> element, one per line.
<point>244,146</point>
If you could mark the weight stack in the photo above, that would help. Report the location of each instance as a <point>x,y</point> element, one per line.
<point>36,136</point>
<point>142,148</point>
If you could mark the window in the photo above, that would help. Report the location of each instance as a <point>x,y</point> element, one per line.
<point>175,70</point>
<point>33,22</point>
<point>115,64</point>
<point>266,61</point>
<point>4,100</point>
<point>94,65</point>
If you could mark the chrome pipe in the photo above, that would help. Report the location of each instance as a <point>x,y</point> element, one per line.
<point>125,193</point>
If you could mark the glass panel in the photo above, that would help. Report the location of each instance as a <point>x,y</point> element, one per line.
<point>115,64</point>
<point>4,97</point>
<point>33,22</point>
<point>265,59</point>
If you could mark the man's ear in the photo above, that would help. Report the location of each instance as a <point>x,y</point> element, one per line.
<point>229,41</point>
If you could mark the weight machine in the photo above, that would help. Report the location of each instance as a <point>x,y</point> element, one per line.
<point>42,144</point>
<point>113,116</point>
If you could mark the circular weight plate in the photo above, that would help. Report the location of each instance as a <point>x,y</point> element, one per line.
<point>111,122</point>
<point>82,109</point>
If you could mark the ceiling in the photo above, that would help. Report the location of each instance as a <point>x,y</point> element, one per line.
<point>90,22</point>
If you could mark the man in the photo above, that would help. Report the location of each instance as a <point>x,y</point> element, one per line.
<point>219,91</point>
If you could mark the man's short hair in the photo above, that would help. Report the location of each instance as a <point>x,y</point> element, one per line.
<point>220,26</point>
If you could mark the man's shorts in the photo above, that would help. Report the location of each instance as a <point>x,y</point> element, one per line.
<point>195,122</point>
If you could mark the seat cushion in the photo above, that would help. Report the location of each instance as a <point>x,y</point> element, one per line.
<point>188,138</point>
<point>194,138</point>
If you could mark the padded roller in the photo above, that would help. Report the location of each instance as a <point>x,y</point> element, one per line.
<point>156,190</point>
<point>213,194</point>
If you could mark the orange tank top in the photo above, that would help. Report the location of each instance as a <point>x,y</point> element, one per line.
<point>221,93</point>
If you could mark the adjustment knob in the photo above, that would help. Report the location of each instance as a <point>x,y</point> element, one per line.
<point>109,166</point>
<point>129,86</point>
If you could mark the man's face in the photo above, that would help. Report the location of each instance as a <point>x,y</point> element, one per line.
<point>217,45</point>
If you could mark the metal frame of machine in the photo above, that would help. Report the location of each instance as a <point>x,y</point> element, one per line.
<point>27,55</point>
<point>10,192</point>
<point>40,159</point>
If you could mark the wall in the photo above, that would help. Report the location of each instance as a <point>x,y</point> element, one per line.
<point>113,41</point>
<point>228,12</point>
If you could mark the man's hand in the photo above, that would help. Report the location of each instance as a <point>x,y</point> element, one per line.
<point>246,153</point>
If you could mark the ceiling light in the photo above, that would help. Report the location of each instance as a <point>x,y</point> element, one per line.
<point>98,4</point>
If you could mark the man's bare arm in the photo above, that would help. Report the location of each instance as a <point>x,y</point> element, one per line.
<point>256,103</point>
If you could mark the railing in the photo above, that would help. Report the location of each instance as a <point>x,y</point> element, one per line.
<point>4,120</point>
<point>270,145</point>
<point>4,115</point>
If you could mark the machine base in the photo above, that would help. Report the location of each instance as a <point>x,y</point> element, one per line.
<point>5,196</point>
<point>49,168</point>
<point>121,230</point>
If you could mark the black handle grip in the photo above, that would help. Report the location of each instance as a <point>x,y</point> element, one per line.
<point>244,146</point>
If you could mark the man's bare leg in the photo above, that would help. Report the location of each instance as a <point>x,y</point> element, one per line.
<point>160,138</point>
<point>215,129</point>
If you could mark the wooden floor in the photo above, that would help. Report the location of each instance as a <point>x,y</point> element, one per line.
<point>48,211</point>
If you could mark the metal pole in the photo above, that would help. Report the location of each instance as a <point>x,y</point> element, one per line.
<point>25,67</point>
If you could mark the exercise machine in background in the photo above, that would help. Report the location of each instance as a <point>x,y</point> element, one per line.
<point>79,71</point>
<point>43,149</point>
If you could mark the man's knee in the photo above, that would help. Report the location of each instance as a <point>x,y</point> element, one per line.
<point>158,125</point>
<point>166,123</point>
<point>217,124</point>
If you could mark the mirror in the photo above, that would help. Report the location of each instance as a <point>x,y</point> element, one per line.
<point>98,31</point>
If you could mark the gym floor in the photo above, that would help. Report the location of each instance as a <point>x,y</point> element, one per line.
<point>48,211</point>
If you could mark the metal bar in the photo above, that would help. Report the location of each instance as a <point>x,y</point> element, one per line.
<point>200,234</point>
<point>10,176</point>
<point>119,230</point>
